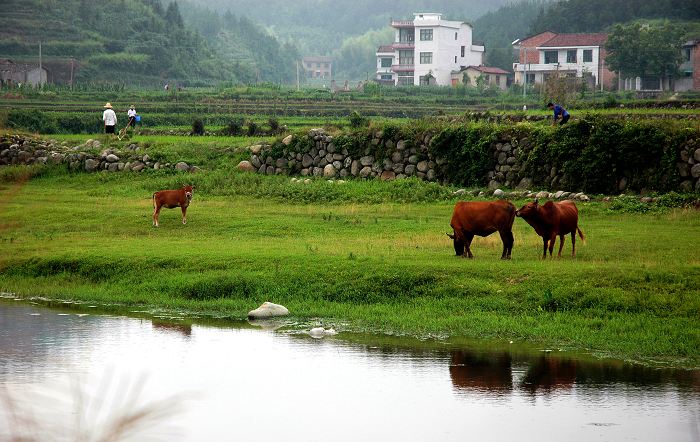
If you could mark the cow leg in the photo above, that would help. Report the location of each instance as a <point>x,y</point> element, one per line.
<point>510,244</point>
<point>545,241</point>
<point>552,241</point>
<point>507,238</point>
<point>573,244</point>
<point>561,244</point>
<point>468,244</point>
<point>184,214</point>
<point>156,213</point>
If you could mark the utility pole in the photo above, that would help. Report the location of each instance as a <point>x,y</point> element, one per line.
<point>525,73</point>
<point>71,73</point>
<point>40,63</point>
<point>297,74</point>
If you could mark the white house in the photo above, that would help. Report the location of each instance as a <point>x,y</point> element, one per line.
<point>572,55</point>
<point>426,50</point>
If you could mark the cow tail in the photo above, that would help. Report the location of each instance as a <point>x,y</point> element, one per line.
<point>154,200</point>
<point>580,234</point>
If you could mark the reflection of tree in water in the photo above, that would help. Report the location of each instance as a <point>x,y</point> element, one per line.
<point>183,329</point>
<point>489,372</point>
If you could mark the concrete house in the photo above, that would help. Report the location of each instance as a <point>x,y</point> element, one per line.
<point>24,73</point>
<point>318,67</point>
<point>426,50</point>
<point>569,55</point>
<point>492,76</point>
<point>690,69</point>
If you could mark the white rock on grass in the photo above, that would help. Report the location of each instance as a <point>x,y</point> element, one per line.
<point>268,310</point>
<point>319,332</point>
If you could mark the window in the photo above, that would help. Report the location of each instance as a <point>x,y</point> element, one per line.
<point>530,78</point>
<point>463,51</point>
<point>386,62</point>
<point>455,59</point>
<point>406,35</point>
<point>406,57</point>
<point>426,35</point>
<point>498,80</point>
<point>587,55</point>
<point>571,56</point>
<point>455,36</point>
<point>551,57</point>
<point>686,54</point>
<point>406,80</point>
<point>385,77</point>
<point>426,58</point>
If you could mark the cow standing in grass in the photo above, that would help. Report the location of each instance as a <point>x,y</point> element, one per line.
<point>171,199</point>
<point>553,219</point>
<point>477,218</point>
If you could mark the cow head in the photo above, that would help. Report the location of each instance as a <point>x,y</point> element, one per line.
<point>189,192</point>
<point>528,209</point>
<point>458,243</point>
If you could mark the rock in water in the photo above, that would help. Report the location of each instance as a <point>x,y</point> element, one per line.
<point>268,310</point>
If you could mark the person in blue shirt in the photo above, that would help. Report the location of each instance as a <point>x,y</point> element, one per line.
<point>558,112</point>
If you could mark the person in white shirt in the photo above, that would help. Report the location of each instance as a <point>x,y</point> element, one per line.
<point>109,118</point>
<point>131,113</point>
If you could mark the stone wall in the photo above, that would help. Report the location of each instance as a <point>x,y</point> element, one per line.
<point>392,158</point>
<point>327,160</point>
<point>16,149</point>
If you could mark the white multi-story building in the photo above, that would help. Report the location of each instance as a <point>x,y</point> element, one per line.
<point>426,50</point>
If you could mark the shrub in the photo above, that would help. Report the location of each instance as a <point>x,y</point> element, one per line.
<point>197,127</point>
<point>252,128</point>
<point>357,121</point>
<point>274,126</point>
<point>234,128</point>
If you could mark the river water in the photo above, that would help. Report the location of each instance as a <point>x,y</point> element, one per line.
<point>78,374</point>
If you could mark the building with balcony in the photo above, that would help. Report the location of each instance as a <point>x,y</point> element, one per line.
<point>318,67</point>
<point>690,68</point>
<point>568,55</point>
<point>426,50</point>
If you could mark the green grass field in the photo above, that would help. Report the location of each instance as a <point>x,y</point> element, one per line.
<point>370,256</point>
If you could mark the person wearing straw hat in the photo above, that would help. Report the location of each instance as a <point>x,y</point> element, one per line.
<point>109,118</point>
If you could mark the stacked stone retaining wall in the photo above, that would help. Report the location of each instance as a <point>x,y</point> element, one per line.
<point>17,149</point>
<point>396,158</point>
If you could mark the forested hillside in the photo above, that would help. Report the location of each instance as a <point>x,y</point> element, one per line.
<point>499,28</point>
<point>596,15</point>
<point>319,27</point>
<point>137,42</point>
<point>254,52</point>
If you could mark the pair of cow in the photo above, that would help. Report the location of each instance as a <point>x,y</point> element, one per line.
<point>549,220</point>
<point>469,219</point>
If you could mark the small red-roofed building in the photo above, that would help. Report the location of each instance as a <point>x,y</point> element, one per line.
<point>491,76</point>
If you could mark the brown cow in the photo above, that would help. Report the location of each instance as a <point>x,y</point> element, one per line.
<point>171,199</point>
<point>482,219</point>
<point>553,219</point>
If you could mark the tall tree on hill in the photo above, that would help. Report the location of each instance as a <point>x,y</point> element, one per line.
<point>172,15</point>
<point>638,50</point>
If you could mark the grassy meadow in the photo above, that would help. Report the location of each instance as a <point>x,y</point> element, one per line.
<point>370,256</point>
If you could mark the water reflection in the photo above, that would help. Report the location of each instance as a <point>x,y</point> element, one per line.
<point>481,371</point>
<point>182,329</point>
<point>350,386</point>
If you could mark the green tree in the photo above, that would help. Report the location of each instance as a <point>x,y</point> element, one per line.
<point>639,49</point>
